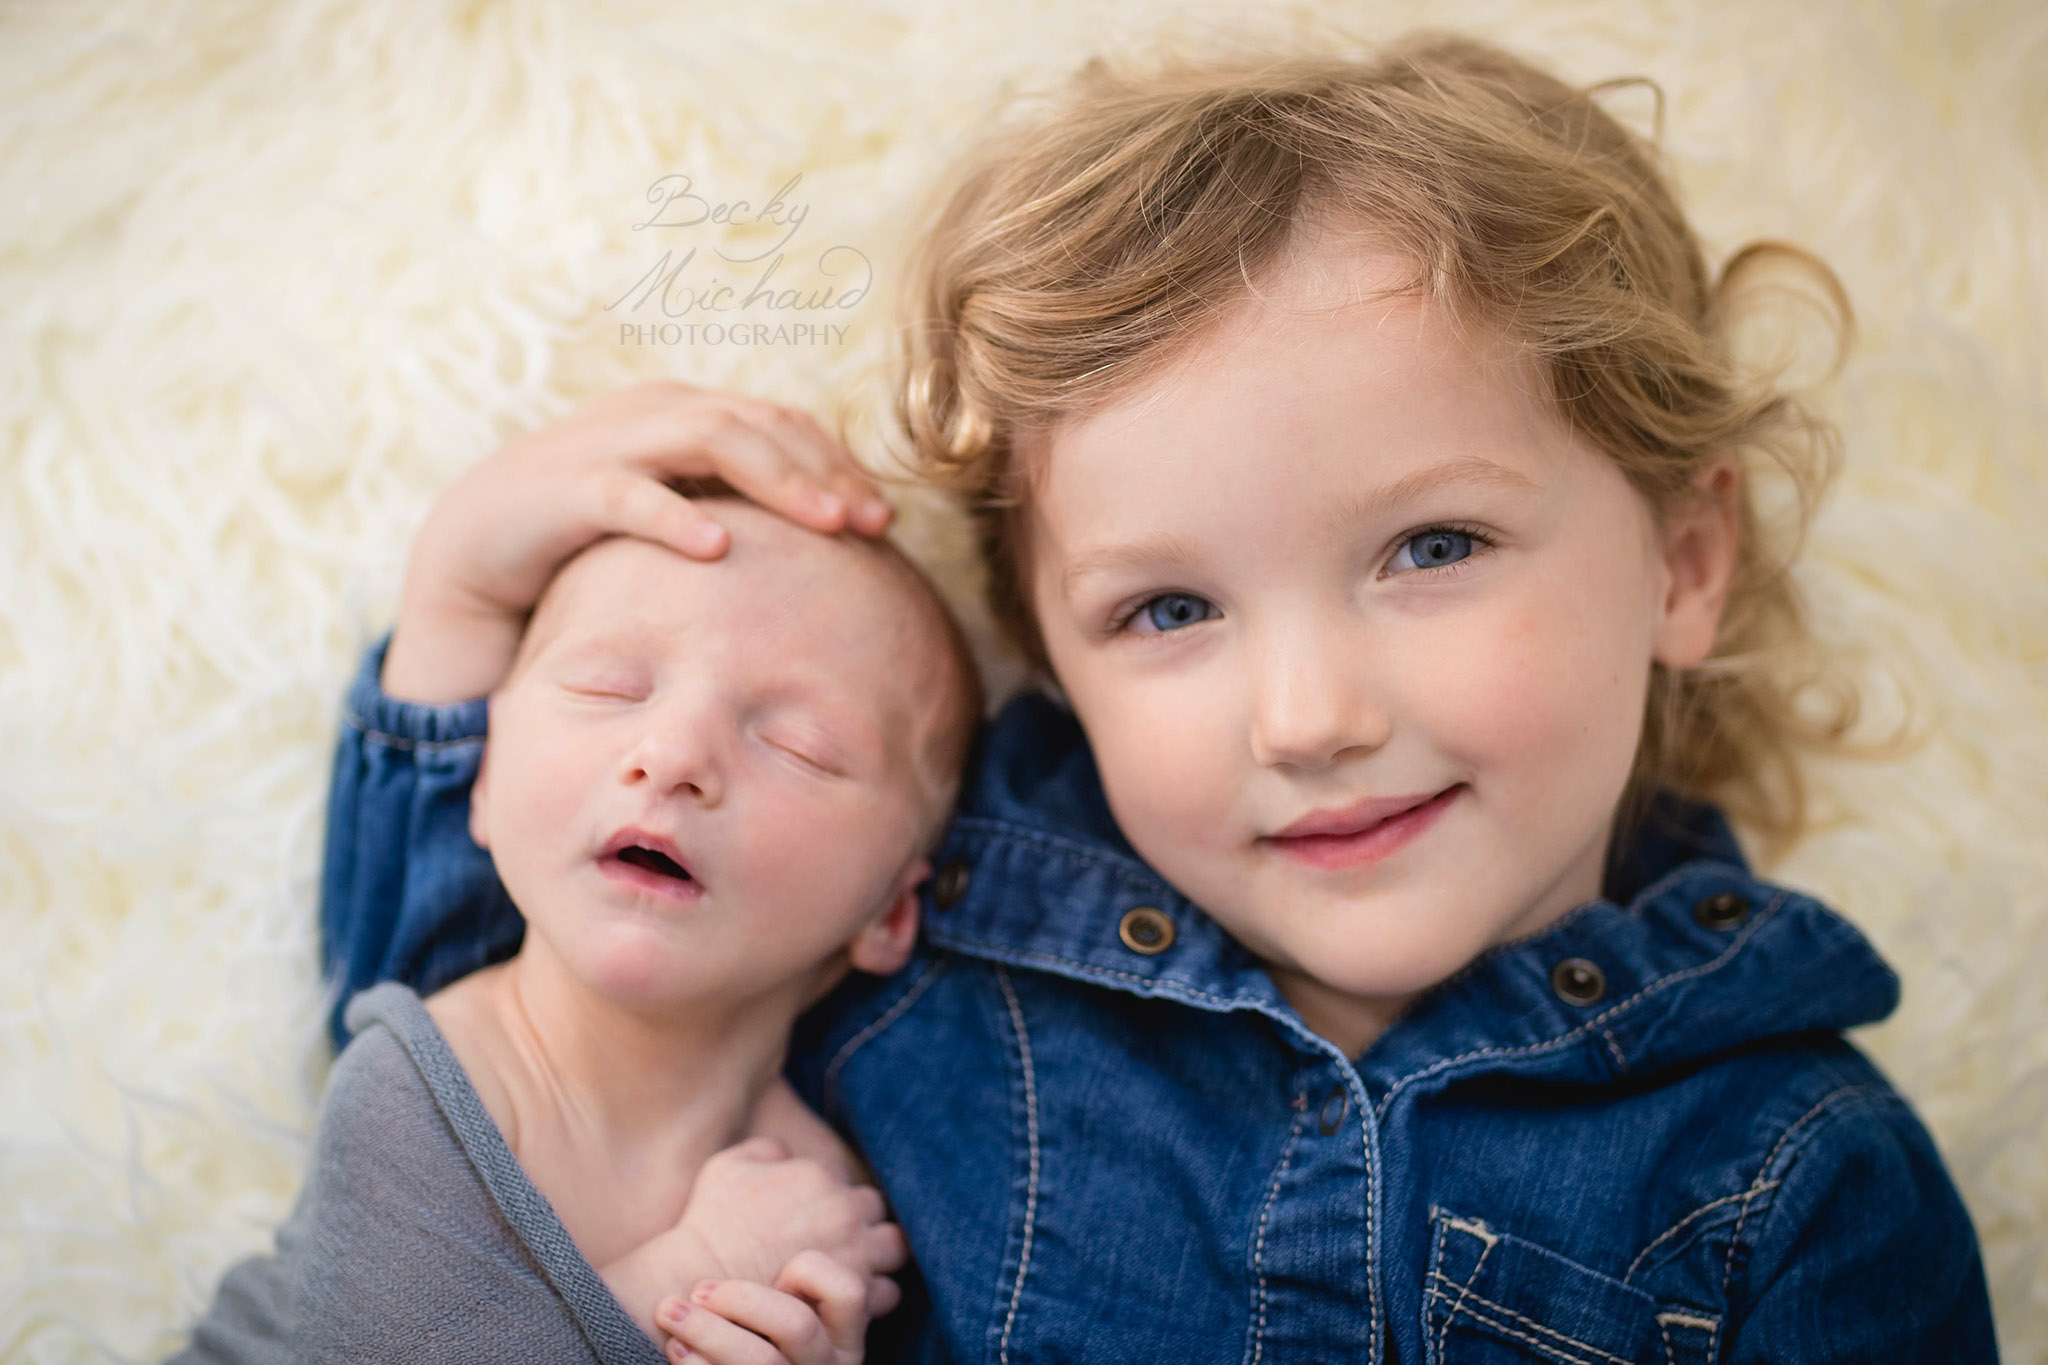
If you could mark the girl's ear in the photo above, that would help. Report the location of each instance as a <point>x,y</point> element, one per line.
<point>884,946</point>
<point>1701,536</point>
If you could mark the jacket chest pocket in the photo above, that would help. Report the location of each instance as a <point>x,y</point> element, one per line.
<point>1495,1299</point>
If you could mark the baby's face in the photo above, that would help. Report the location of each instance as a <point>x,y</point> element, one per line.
<point>1360,634</point>
<point>703,779</point>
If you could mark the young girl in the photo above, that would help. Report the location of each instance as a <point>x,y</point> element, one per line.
<point>1349,966</point>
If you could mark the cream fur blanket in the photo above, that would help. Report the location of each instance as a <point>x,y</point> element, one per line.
<point>274,272</point>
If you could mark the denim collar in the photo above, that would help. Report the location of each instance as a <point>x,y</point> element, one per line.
<point>1696,955</point>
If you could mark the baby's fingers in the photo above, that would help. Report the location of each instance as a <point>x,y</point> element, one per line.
<point>699,1336</point>
<point>884,1294</point>
<point>839,1293</point>
<point>884,1248</point>
<point>738,1322</point>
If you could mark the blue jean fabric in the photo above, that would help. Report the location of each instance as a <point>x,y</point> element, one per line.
<point>1107,1154</point>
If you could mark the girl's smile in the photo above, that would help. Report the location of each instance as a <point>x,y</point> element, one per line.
<point>1364,833</point>
<point>1341,548</point>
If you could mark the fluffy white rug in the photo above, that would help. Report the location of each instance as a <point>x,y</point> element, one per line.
<point>275,271</point>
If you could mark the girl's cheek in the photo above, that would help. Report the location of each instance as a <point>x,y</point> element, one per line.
<point>1573,714</point>
<point>1156,756</point>
<point>1506,690</point>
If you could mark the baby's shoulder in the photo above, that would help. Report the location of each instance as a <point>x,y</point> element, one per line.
<point>464,1013</point>
<point>380,1109</point>
<point>415,1214</point>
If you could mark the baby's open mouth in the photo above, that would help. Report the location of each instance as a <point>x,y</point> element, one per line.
<point>655,861</point>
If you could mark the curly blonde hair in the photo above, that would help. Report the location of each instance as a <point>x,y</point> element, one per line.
<point>1080,250</point>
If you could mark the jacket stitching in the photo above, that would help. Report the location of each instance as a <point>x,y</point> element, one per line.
<point>1546,1347</point>
<point>1259,1243</point>
<point>1470,1230</point>
<point>424,746</point>
<point>1031,1133</point>
<point>1728,1265</point>
<point>1434,1346</point>
<point>1614,1050</point>
<point>1661,983</point>
<point>1131,871</point>
<point>1374,1213</point>
<point>888,1017</point>
<point>1745,1195</point>
<point>1166,984</point>
<point>1711,1326</point>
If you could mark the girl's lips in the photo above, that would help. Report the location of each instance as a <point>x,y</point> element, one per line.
<point>1377,841</point>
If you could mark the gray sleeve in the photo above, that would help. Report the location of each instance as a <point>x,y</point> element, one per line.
<point>250,1321</point>
<point>403,1248</point>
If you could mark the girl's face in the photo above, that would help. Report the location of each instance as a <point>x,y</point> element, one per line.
<point>1360,633</point>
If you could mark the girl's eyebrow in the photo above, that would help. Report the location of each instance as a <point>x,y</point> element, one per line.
<point>1390,498</point>
<point>1135,554</point>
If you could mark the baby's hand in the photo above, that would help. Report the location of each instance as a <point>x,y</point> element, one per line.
<point>754,1208</point>
<point>496,536</point>
<point>816,1314</point>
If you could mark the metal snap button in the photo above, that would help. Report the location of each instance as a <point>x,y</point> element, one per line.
<point>1145,930</point>
<point>949,884</point>
<point>1335,1105</point>
<point>1722,910</point>
<point>1577,981</point>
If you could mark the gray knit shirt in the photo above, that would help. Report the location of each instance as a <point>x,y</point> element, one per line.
<point>418,1236</point>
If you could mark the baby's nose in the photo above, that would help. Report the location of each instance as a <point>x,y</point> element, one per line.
<point>677,760</point>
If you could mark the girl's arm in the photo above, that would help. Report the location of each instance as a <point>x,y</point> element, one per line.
<point>1865,1254</point>
<point>405,894</point>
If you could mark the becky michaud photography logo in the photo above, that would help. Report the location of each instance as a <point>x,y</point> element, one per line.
<point>734,274</point>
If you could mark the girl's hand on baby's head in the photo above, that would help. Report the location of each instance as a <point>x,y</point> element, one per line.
<point>816,1313</point>
<point>496,537</point>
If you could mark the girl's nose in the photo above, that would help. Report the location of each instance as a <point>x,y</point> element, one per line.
<point>1309,703</point>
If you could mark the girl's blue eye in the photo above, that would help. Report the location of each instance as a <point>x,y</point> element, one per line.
<point>1435,549</point>
<point>1174,610</point>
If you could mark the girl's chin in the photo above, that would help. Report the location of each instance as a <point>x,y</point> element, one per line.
<point>1388,966</point>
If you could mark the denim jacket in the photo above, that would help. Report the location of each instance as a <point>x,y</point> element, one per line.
<point>1636,1137</point>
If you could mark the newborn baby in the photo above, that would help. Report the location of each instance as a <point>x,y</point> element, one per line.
<point>709,788</point>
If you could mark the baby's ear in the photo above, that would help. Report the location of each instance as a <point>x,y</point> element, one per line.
<point>884,946</point>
